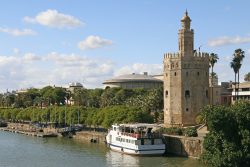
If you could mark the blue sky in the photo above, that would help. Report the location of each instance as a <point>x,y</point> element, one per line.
<point>54,42</point>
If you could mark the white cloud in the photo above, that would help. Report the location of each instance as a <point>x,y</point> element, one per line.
<point>53,18</point>
<point>30,57</point>
<point>152,69</point>
<point>31,70</point>
<point>221,41</point>
<point>93,42</point>
<point>16,51</point>
<point>17,32</point>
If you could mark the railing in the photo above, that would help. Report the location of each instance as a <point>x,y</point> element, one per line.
<point>141,135</point>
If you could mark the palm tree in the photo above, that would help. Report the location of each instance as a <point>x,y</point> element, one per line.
<point>239,55</point>
<point>233,65</point>
<point>212,60</point>
<point>247,77</point>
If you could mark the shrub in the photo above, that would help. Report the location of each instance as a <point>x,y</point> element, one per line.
<point>199,119</point>
<point>172,131</point>
<point>190,132</point>
<point>228,142</point>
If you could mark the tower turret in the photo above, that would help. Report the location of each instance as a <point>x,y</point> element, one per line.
<point>186,37</point>
<point>186,21</point>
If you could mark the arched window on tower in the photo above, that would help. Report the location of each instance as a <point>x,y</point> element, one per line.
<point>207,93</point>
<point>166,93</point>
<point>187,93</point>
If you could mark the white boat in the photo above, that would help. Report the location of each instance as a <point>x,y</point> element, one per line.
<point>137,139</point>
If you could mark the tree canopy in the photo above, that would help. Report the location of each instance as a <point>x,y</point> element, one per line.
<point>95,107</point>
<point>228,142</point>
<point>247,77</point>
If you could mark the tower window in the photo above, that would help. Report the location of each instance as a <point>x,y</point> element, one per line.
<point>186,109</point>
<point>166,93</point>
<point>198,73</point>
<point>166,74</point>
<point>187,93</point>
<point>207,93</point>
<point>186,73</point>
<point>175,73</point>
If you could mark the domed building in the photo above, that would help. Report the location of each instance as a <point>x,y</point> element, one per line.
<point>133,81</point>
<point>75,85</point>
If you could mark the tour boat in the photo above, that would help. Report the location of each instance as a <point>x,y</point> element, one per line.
<point>137,139</point>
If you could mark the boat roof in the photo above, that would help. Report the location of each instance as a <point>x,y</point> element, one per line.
<point>139,125</point>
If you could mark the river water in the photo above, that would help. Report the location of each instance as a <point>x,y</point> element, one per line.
<point>18,150</point>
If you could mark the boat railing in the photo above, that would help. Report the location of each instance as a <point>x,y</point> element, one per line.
<point>141,135</point>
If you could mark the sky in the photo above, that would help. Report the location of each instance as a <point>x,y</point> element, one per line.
<point>55,42</point>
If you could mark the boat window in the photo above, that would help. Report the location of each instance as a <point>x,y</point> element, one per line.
<point>158,141</point>
<point>114,128</point>
<point>142,141</point>
<point>147,141</point>
<point>137,142</point>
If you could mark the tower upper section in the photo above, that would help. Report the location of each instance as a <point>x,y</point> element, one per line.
<point>186,37</point>
<point>186,21</point>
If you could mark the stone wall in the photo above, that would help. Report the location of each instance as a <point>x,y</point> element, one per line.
<point>184,146</point>
<point>99,137</point>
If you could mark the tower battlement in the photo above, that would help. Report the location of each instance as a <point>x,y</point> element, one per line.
<point>196,55</point>
<point>172,55</point>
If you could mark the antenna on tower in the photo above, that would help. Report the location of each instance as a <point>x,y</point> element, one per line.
<point>200,48</point>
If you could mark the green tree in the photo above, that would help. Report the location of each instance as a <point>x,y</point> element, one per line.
<point>236,63</point>
<point>212,60</point>
<point>80,97</point>
<point>247,77</point>
<point>235,67</point>
<point>59,95</point>
<point>94,99</point>
<point>228,142</point>
<point>47,95</point>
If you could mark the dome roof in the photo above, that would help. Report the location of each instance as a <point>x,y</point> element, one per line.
<point>186,17</point>
<point>75,84</point>
<point>133,78</point>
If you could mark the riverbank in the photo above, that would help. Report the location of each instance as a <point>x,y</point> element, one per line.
<point>29,130</point>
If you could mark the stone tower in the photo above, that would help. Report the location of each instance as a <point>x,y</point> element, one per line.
<point>186,79</point>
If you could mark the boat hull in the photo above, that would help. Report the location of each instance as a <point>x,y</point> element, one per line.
<point>152,151</point>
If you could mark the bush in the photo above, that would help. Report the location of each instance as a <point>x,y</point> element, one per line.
<point>199,119</point>
<point>172,131</point>
<point>190,132</point>
<point>228,142</point>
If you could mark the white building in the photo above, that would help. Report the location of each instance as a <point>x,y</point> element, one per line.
<point>132,81</point>
<point>244,91</point>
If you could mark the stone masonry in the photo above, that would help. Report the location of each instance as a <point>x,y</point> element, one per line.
<point>186,79</point>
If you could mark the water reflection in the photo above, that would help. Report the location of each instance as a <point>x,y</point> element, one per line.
<point>115,159</point>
